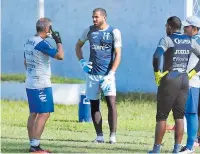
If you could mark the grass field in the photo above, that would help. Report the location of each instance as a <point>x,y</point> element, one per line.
<point>64,134</point>
<point>54,79</point>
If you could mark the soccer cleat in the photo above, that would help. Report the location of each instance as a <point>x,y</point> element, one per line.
<point>184,150</point>
<point>38,149</point>
<point>99,139</point>
<point>153,152</point>
<point>156,148</point>
<point>112,140</point>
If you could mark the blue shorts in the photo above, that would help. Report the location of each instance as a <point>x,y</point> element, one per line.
<point>192,101</point>
<point>40,100</point>
<point>93,89</point>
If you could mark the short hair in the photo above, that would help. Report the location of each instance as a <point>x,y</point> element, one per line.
<point>43,23</point>
<point>101,10</point>
<point>174,22</point>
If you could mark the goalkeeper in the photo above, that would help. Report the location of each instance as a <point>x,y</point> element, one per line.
<point>173,84</point>
<point>105,55</point>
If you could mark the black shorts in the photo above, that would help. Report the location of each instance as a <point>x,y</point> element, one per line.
<point>172,95</point>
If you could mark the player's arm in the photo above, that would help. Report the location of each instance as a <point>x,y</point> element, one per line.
<point>79,52</point>
<point>117,49</point>
<point>86,66</point>
<point>60,52</point>
<point>80,43</point>
<point>59,55</point>
<point>47,49</point>
<point>25,64</point>
<point>196,50</point>
<point>161,48</point>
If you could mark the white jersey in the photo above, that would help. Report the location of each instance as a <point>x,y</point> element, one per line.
<point>37,53</point>
<point>195,81</point>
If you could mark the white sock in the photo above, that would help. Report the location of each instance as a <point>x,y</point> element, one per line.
<point>112,134</point>
<point>100,138</point>
<point>34,142</point>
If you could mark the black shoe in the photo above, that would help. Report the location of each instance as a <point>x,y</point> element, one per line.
<point>35,148</point>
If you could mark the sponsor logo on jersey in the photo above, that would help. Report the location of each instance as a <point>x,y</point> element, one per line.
<point>182,52</point>
<point>182,41</point>
<point>30,42</point>
<point>180,59</point>
<point>100,47</point>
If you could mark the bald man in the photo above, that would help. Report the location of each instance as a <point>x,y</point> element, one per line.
<point>37,53</point>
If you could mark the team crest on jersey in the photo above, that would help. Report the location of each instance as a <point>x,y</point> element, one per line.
<point>107,36</point>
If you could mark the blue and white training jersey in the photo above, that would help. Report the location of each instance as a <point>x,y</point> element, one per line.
<point>195,81</point>
<point>102,45</point>
<point>177,49</point>
<point>37,53</point>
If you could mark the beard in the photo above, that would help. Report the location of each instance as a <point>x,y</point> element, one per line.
<point>99,24</point>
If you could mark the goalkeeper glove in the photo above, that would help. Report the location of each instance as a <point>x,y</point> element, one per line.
<point>86,66</point>
<point>107,81</point>
<point>55,35</point>
<point>158,76</point>
<point>191,74</point>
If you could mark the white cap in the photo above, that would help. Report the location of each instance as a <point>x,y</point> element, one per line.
<point>192,21</point>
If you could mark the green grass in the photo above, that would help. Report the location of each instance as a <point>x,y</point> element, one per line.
<point>64,134</point>
<point>54,79</point>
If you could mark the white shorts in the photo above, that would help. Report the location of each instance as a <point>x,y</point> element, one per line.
<point>93,89</point>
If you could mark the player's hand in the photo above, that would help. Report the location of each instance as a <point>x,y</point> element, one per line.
<point>86,66</point>
<point>107,81</point>
<point>191,74</point>
<point>159,75</point>
<point>56,35</point>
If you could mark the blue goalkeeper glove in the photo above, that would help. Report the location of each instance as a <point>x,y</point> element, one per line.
<point>86,66</point>
<point>107,81</point>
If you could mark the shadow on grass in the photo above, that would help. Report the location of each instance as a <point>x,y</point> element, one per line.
<point>75,121</point>
<point>16,147</point>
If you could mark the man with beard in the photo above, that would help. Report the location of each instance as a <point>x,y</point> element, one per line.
<point>105,55</point>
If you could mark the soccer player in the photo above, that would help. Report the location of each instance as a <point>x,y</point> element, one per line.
<point>105,55</point>
<point>173,84</point>
<point>37,53</point>
<point>191,28</point>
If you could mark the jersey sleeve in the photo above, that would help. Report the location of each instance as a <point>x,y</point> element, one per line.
<point>163,43</point>
<point>84,36</point>
<point>195,47</point>
<point>117,38</point>
<point>46,48</point>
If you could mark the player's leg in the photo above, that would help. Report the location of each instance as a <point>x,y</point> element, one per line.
<point>165,98</point>
<point>179,111</point>
<point>112,117</point>
<point>93,94</point>
<point>40,124</point>
<point>30,124</point>
<point>191,117</point>
<point>97,120</point>
<point>32,101</point>
<point>110,97</point>
<point>43,105</point>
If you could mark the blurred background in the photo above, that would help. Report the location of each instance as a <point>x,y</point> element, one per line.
<point>141,22</point>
